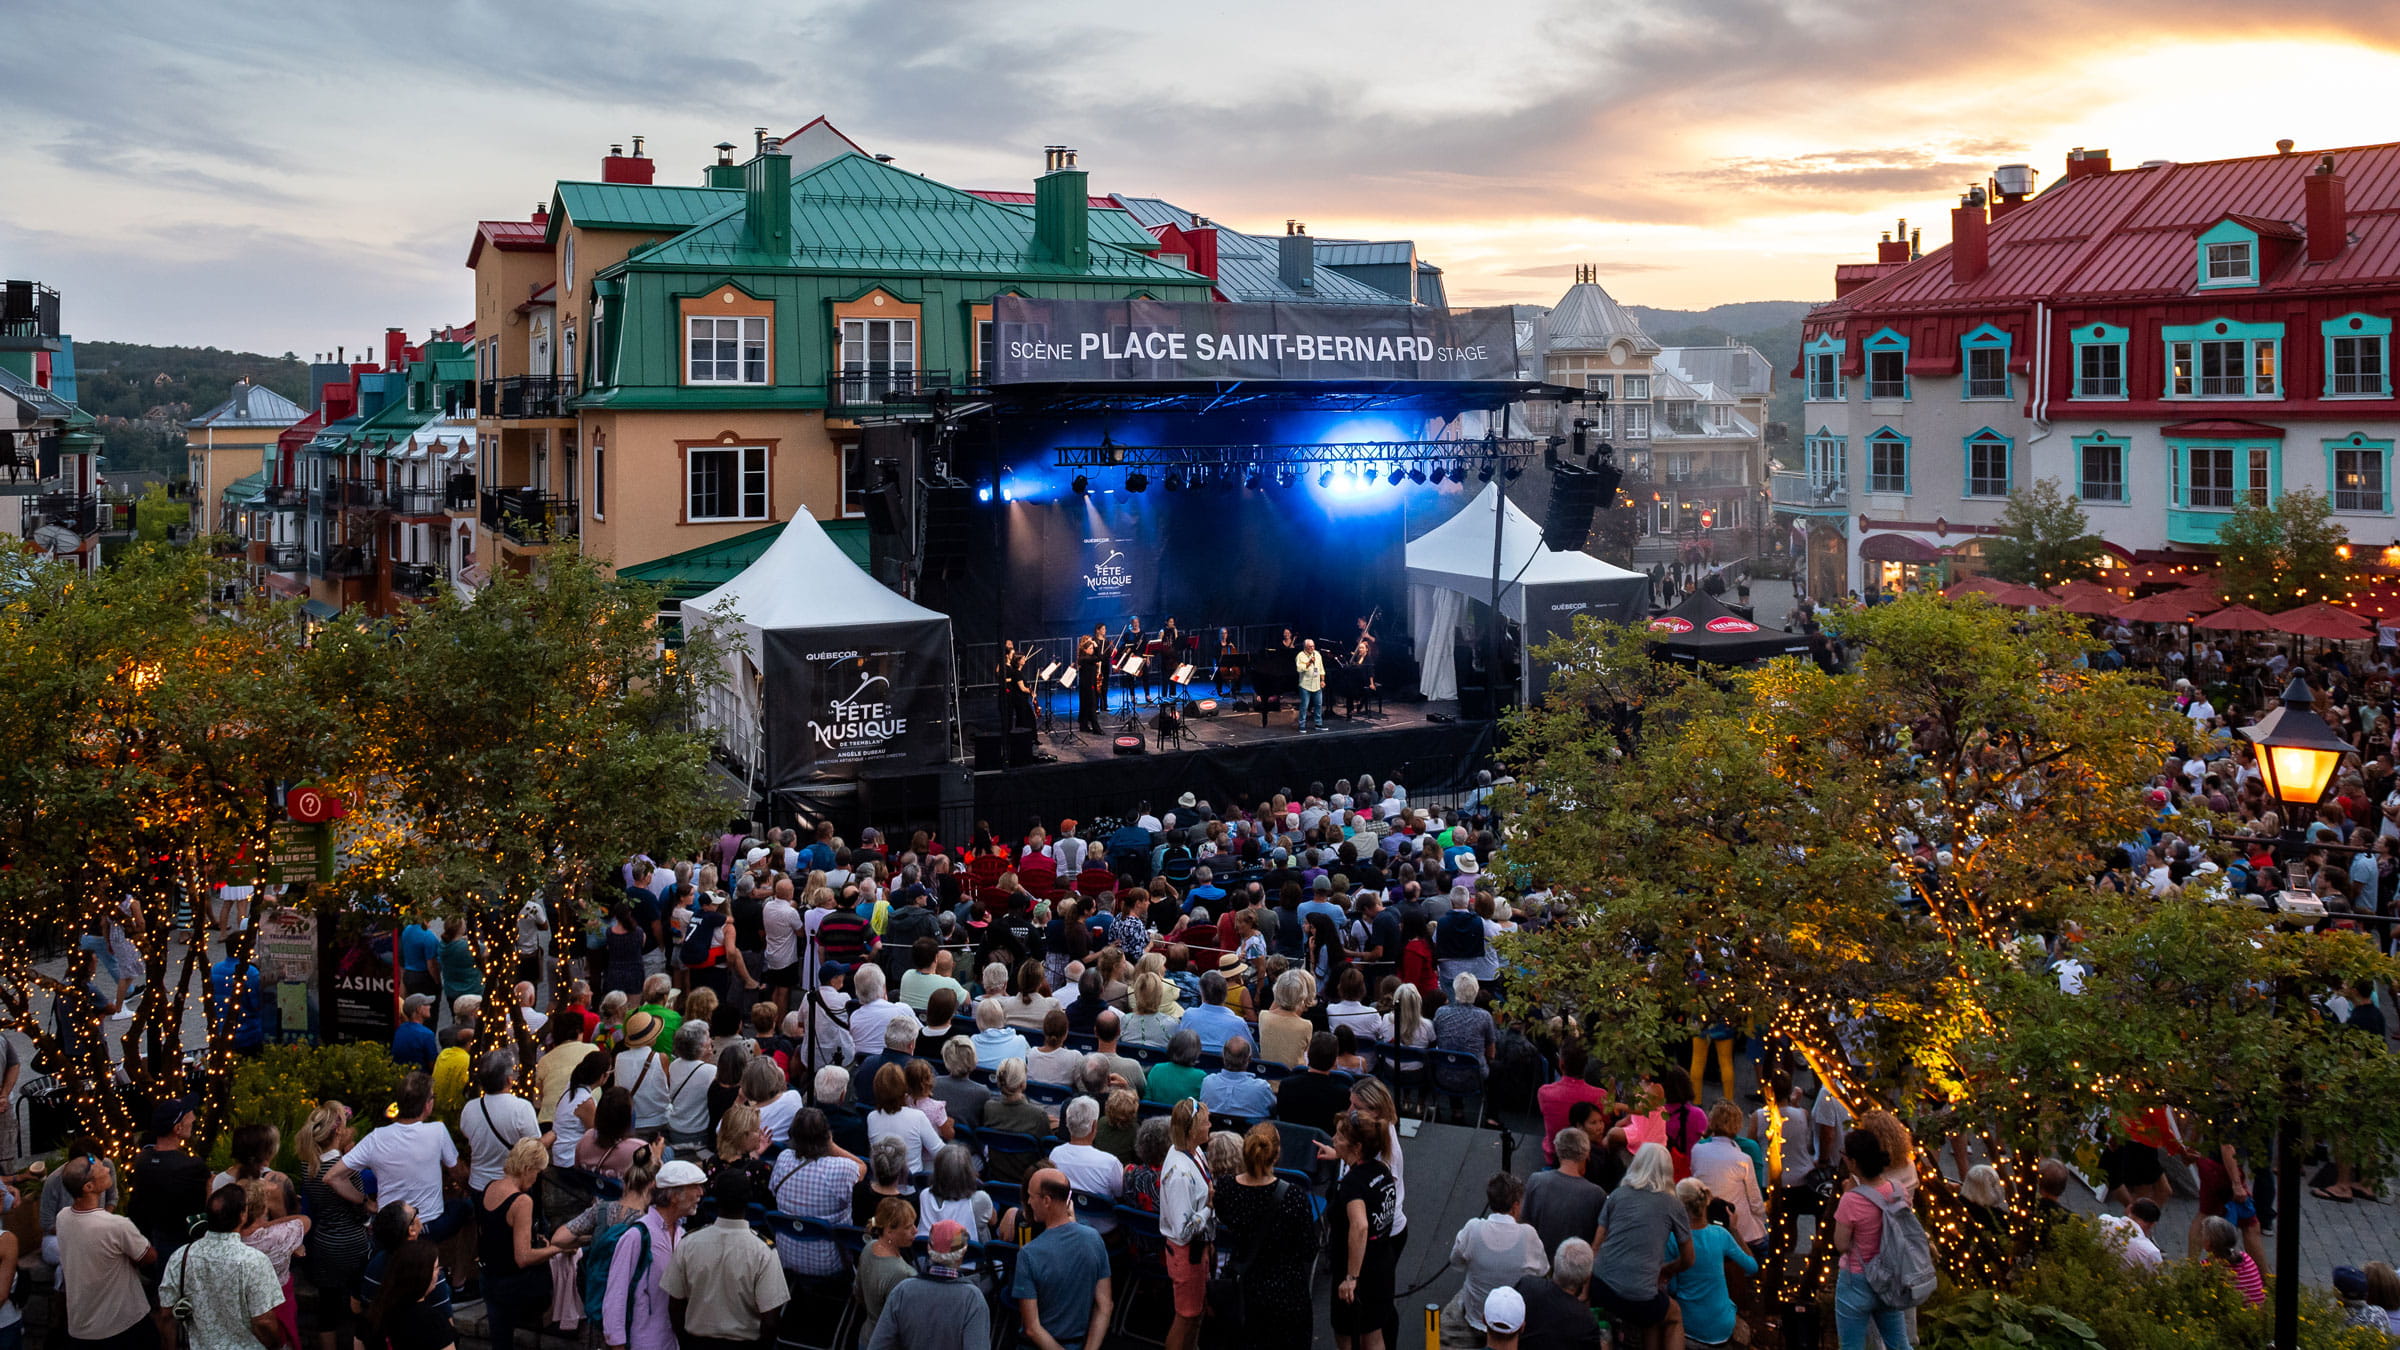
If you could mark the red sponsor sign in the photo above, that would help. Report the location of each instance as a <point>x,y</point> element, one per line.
<point>1670,624</point>
<point>1726,623</point>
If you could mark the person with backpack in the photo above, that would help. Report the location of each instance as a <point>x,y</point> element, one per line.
<point>1887,1264</point>
<point>633,1308</point>
<point>1462,940</point>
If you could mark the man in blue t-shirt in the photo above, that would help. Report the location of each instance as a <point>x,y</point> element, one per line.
<point>239,991</point>
<point>420,960</point>
<point>413,1043</point>
<point>1061,1284</point>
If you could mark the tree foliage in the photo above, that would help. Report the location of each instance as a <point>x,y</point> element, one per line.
<point>1851,863</point>
<point>2044,538</point>
<point>2282,555</point>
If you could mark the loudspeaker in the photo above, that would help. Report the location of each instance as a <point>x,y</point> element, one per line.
<point>942,800</point>
<point>1475,702</point>
<point>1020,747</point>
<point>991,752</point>
<point>886,502</point>
<point>1567,520</point>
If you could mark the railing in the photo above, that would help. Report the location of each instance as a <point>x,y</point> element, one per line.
<point>1811,491</point>
<point>360,494</point>
<point>527,515</point>
<point>873,388</point>
<point>285,557</point>
<point>1709,478</point>
<point>28,309</point>
<point>85,514</point>
<point>417,501</point>
<point>460,494</point>
<point>531,396</point>
<point>284,494</point>
<point>349,560</point>
<point>414,580</point>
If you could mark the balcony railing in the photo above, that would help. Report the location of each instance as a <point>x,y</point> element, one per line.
<point>522,396</point>
<point>885,389</point>
<point>1811,492</point>
<point>364,494</point>
<point>349,560</point>
<point>285,557</point>
<point>417,501</point>
<point>28,309</point>
<point>281,494</point>
<point>460,494</point>
<point>526,515</point>
<point>85,514</point>
<point>414,580</point>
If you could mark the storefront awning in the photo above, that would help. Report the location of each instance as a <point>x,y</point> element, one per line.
<point>1900,548</point>
<point>318,609</point>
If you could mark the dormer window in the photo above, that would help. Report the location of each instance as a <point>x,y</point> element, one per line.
<point>2229,253</point>
<point>2233,264</point>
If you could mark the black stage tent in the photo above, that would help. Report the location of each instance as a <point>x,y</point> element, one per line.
<point>1702,629</point>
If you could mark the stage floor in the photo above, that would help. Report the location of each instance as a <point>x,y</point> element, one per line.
<point>1229,728</point>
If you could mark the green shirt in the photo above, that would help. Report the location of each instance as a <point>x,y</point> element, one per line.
<point>460,974</point>
<point>669,1022</point>
<point>1171,1083</point>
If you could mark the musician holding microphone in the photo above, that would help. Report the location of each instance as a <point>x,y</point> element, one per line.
<point>1311,668</point>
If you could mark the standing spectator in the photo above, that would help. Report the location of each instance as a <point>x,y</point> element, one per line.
<point>724,1288</point>
<point>1563,1202</point>
<point>513,1249</point>
<point>495,1121</point>
<point>533,925</point>
<point>784,929</point>
<point>420,962</point>
<point>413,1043</point>
<point>1578,1081</point>
<point>240,994</point>
<point>1462,1027</point>
<point>1558,1310</point>
<point>1061,1286</point>
<point>1641,1223</point>
<point>1263,1223</point>
<point>1361,1214</point>
<point>936,1310</point>
<point>170,1186</point>
<point>101,1256</point>
<point>1731,1175</point>
<point>461,973</point>
<point>337,1236</point>
<point>1184,1219</point>
<point>231,1289</point>
<point>409,1304</point>
<point>2224,1249</point>
<point>683,1087</point>
<point>1709,1317</point>
<point>411,1158</point>
<point>633,1313</point>
<point>1858,1236</point>
<point>1503,1312</point>
<point>1495,1251</point>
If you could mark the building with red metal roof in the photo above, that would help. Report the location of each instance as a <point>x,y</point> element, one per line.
<point>2163,341</point>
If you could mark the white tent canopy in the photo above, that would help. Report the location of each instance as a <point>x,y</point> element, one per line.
<point>805,593</point>
<point>1452,564</point>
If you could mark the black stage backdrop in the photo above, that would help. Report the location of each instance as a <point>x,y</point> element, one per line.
<point>847,702</point>
<point>1207,559</point>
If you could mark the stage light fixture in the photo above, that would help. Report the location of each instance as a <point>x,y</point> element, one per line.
<point>1395,475</point>
<point>1439,473</point>
<point>1174,480</point>
<point>1082,486</point>
<point>1515,472</point>
<point>1137,481</point>
<point>1257,480</point>
<point>1416,473</point>
<point>1325,479</point>
<point>1484,474</point>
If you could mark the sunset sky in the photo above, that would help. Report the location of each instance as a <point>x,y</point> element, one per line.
<point>291,177</point>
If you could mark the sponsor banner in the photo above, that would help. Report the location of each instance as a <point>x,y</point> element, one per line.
<point>1727,623</point>
<point>360,997</point>
<point>844,703</point>
<point>1671,624</point>
<point>1040,341</point>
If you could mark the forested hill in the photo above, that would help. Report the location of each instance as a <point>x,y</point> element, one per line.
<point>1772,326</point>
<point>143,395</point>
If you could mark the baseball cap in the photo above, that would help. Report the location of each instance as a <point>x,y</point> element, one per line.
<point>167,1113</point>
<point>681,1173</point>
<point>831,971</point>
<point>947,1236</point>
<point>1504,1310</point>
<point>2350,1282</point>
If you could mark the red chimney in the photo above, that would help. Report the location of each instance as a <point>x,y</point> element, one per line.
<point>2082,163</point>
<point>1970,238</point>
<point>395,348</point>
<point>2328,213</point>
<point>1890,250</point>
<point>620,167</point>
<point>1202,240</point>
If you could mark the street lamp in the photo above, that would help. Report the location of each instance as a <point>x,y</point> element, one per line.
<point>2297,756</point>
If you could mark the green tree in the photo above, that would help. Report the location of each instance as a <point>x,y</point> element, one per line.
<point>144,734</point>
<point>2285,554</point>
<point>1851,862</point>
<point>2044,538</point>
<point>515,740</point>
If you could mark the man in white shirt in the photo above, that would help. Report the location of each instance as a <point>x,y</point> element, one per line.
<point>533,921</point>
<point>494,1121</point>
<point>2130,1234</point>
<point>410,1158</point>
<point>786,928</point>
<point>828,1010</point>
<point>1068,851</point>
<point>873,1013</point>
<point>535,1019</point>
<point>1086,1168</point>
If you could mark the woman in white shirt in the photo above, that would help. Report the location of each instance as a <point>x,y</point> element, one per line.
<point>1405,1025</point>
<point>894,1118</point>
<point>1149,1023</point>
<point>1730,1175</point>
<point>686,1080</point>
<point>1184,1219</point>
<point>576,1107</point>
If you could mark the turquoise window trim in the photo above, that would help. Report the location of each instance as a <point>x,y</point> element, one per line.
<point>1886,340</point>
<point>2224,232</point>
<point>1986,337</point>
<point>2179,457</point>
<point>1824,344</point>
<point>2124,448</point>
<point>1908,460</point>
<point>1966,462</point>
<point>2358,440</point>
<point>2222,330</point>
<point>2099,335</point>
<point>2358,325</point>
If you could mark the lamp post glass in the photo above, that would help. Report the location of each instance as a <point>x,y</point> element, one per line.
<point>2297,751</point>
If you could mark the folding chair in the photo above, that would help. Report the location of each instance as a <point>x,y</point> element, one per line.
<point>1453,1070</point>
<point>1146,1267</point>
<point>822,1294</point>
<point>1009,1156</point>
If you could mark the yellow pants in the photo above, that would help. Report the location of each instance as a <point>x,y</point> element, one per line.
<point>1700,1046</point>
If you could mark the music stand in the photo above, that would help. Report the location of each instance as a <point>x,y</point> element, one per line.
<point>1176,705</point>
<point>1047,720</point>
<point>1072,734</point>
<point>1131,668</point>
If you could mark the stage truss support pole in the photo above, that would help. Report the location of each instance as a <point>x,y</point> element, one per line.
<point>1492,466</point>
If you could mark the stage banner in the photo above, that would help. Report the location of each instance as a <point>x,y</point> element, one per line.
<point>1101,561</point>
<point>842,703</point>
<point>1550,613</point>
<point>1139,340</point>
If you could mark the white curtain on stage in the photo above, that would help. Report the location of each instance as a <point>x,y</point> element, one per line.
<point>1434,614</point>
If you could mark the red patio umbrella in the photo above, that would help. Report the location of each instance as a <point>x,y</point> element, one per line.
<point>2007,593</point>
<point>2240,619</point>
<point>2322,620</point>
<point>2178,605</point>
<point>2088,597</point>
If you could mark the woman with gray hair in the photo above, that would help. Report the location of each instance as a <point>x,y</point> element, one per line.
<point>1639,1223</point>
<point>1011,1113</point>
<point>688,1077</point>
<point>957,1194</point>
<point>887,1175</point>
<point>1182,1075</point>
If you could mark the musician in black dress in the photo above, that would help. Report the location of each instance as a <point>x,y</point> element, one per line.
<point>1016,690</point>
<point>1227,667</point>
<point>1134,642</point>
<point>1170,655</point>
<point>1091,678</point>
<point>1357,677</point>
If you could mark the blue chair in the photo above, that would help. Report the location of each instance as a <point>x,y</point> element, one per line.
<point>998,1261</point>
<point>1272,1071</point>
<point>1006,1195</point>
<point>1300,1152</point>
<point>1148,1108</point>
<point>1458,1077</point>
<point>1050,1094</point>
<point>1146,1267</point>
<point>1142,1052</point>
<point>1008,1156</point>
<point>827,1295</point>
<point>1308,1187</point>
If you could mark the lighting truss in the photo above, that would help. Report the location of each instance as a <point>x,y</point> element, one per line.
<point>1243,458</point>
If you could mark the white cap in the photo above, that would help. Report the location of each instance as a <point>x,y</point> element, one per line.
<point>1504,1310</point>
<point>680,1173</point>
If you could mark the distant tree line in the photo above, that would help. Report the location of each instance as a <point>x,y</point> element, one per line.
<point>143,394</point>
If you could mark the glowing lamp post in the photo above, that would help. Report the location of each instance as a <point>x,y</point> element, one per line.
<point>2297,756</point>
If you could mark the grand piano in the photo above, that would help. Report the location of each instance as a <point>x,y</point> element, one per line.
<point>1274,674</point>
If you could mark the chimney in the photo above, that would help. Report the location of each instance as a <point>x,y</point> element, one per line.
<point>395,348</point>
<point>1062,209</point>
<point>2082,163</point>
<point>1970,238</point>
<point>2011,185</point>
<point>541,214</point>
<point>620,167</point>
<point>1893,247</point>
<point>1296,257</point>
<point>767,200</point>
<point>1202,242</point>
<point>2328,212</point>
<point>724,173</point>
<point>2284,146</point>
<point>1916,244</point>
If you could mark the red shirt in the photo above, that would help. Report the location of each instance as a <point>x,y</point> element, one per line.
<point>1556,1100</point>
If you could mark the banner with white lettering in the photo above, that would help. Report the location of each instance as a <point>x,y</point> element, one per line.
<point>1144,340</point>
<point>844,703</point>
